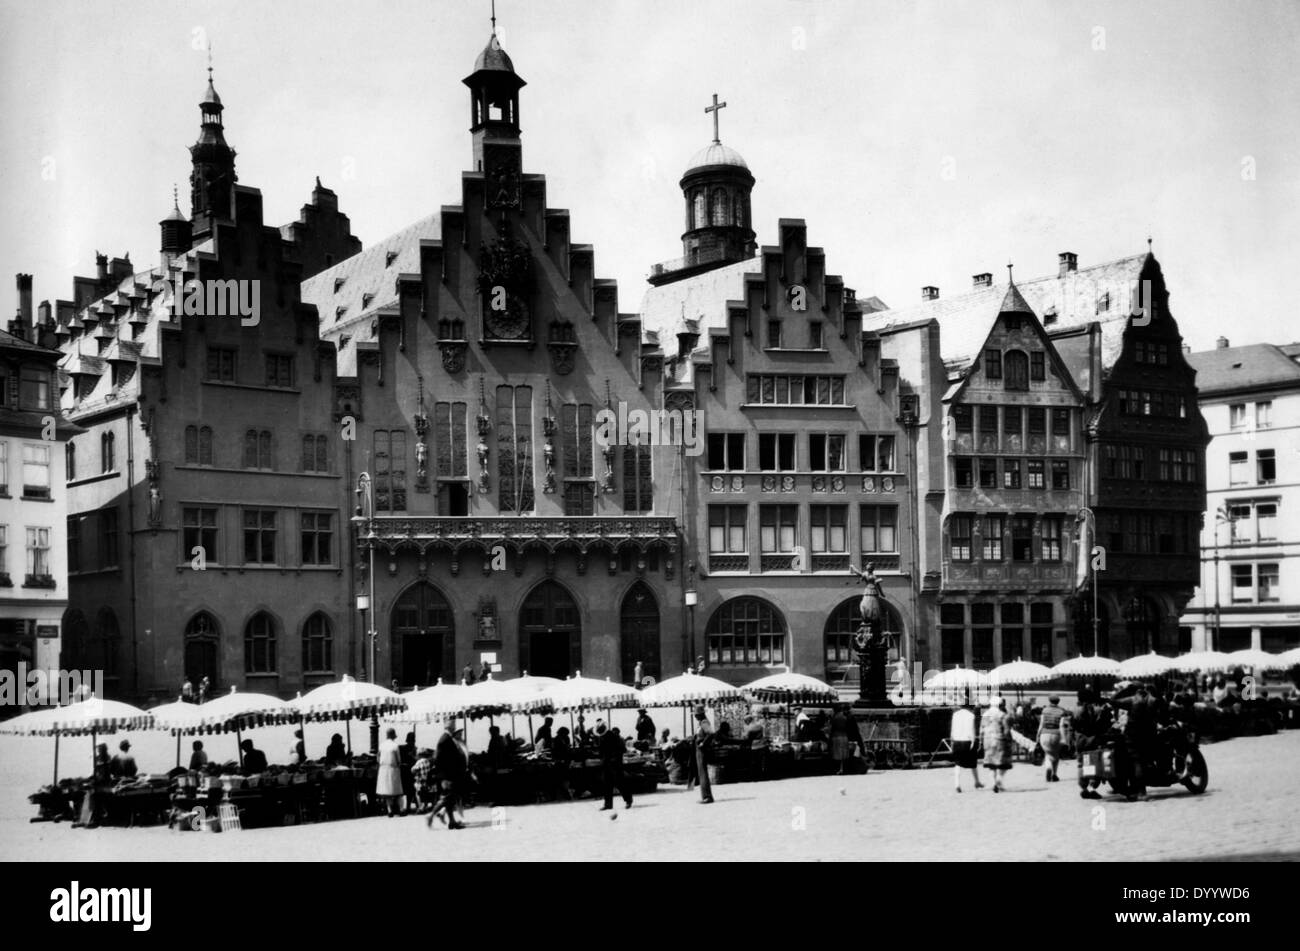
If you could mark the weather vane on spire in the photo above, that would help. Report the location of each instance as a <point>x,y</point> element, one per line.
<point>209,62</point>
<point>494,17</point>
<point>714,109</point>
<point>1009,277</point>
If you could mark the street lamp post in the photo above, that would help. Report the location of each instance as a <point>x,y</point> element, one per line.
<point>366,602</point>
<point>691,599</point>
<point>1220,517</point>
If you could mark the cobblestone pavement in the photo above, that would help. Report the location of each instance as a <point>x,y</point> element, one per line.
<point>1251,809</point>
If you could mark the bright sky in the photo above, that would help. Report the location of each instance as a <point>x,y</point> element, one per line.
<point>922,142</point>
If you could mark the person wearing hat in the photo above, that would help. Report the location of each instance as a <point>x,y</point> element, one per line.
<point>1050,725</point>
<point>123,763</point>
<point>645,727</point>
<point>703,747</point>
<point>1089,725</point>
<point>452,764</point>
<point>611,748</point>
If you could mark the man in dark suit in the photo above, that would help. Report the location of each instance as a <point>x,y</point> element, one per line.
<point>452,766</point>
<point>611,766</point>
<point>254,759</point>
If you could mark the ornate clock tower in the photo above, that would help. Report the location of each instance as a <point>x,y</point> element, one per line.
<point>494,114</point>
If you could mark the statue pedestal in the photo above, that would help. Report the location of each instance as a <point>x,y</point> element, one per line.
<point>872,693</point>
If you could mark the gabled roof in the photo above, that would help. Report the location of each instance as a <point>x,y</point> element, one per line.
<point>701,299</point>
<point>367,281</point>
<point>1255,366</point>
<point>9,342</point>
<point>1059,302</point>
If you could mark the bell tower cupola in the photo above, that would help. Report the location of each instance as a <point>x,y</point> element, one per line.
<point>494,123</point>
<point>213,175</point>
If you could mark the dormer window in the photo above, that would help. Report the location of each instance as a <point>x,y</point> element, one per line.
<point>389,258</point>
<point>1103,302</point>
<point>366,299</point>
<point>339,312</point>
<point>338,283</point>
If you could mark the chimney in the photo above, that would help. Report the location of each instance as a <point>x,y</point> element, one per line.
<point>120,269</point>
<point>25,302</point>
<point>1069,262</point>
<point>982,280</point>
<point>1221,343</point>
<point>101,268</point>
<point>929,293</point>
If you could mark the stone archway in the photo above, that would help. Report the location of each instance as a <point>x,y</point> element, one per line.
<point>422,637</point>
<point>550,632</point>
<point>639,633</point>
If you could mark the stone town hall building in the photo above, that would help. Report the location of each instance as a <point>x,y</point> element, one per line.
<point>219,523</point>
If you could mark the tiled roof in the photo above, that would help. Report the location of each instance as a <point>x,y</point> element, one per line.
<point>9,342</point>
<point>701,298</point>
<point>366,281</point>
<point>1072,301</point>
<point>1257,365</point>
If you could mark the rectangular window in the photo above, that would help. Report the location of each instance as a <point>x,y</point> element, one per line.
<point>638,485</point>
<point>515,449</point>
<point>259,536</point>
<point>1239,524</point>
<point>1053,527</point>
<point>1022,538</point>
<point>1040,633</point>
<point>1263,414</point>
<point>963,419</point>
<point>1037,421</point>
<point>988,428</point>
<point>776,452</point>
<point>221,364</point>
<point>4,547</point>
<point>1236,468</point>
<point>992,538</point>
<point>107,538</point>
<point>876,453</point>
<point>1037,366</point>
<point>579,498</point>
<point>1268,583</point>
<point>1061,429</point>
<point>257,449</point>
<point>878,528</point>
<point>959,530</point>
<point>783,389</point>
<point>199,530</point>
<point>774,334</point>
<point>1237,415</point>
<point>576,436</point>
<point>36,471</point>
<point>825,452</point>
<point>727,529</point>
<point>390,470</point>
<point>279,369</point>
<point>1060,475</point>
<point>981,640</point>
<point>777,528</point>
<point>1242,584</point>
<point>816,340</point>
<point>1013,631</point>
<point>1010,473</point>
<point>317,538</point>
<point>952,618</point>
<point>1034,469</point>
<point>963,472</point>
<point>1266,521</point>
<point>829,524</point>
<point>34,389</point>
<point>38,553</point>
<point>1012,429</point>
<point>727,452</point>
<point>450,442</point>
<point>315,453</point>
<point>4,467</point>
<point>993,364</point>
<point>1265,467</point>
<point>988,469</point>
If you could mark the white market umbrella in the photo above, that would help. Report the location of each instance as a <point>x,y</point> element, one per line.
<point>588,693</point>
<point>1257,660</point>
<point>240,711</point>
<point>176,718</point>
<point>1146,666</point>
<point>434,704</point>
<point>790,687</point>
<point>1202,661</point>
<point>688,689</point>
<point>1084,666</point>
<point>1020,673</point>
<point>959,681</point>
<point>345,699</point>
<point>1289,659</point>
<point>89,717</point>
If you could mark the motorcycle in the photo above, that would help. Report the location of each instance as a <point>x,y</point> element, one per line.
<point>1174,758</point>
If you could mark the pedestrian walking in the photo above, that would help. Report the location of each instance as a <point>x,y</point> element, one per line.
<point>965,755</point>
<point>703,750</point>
<point>996,736</point>
<point>451,760</point>
<point>388,784</point>
<point>408,755</point>
<point>844,736</point>
<point>1089,725</point>
<point>1050,726</point>
<point>611,766</point>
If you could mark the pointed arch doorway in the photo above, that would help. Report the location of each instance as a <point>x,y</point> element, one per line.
<point>422,638</point>
<point>638,631</point>
<point>550,632</point>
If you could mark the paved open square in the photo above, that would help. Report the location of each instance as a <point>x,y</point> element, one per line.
<point>1250,809</point>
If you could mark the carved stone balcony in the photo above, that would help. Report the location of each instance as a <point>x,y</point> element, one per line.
<point>581,533</point>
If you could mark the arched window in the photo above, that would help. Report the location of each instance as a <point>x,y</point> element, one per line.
<point>639,633</point>
<point>205,445</point>
<point>259,644</point>
<point>191,445</point>
<point>837,638</point>
<point>104,648</point>
<point>106,452</point>
<point>720,207</point>
<point>257,449</point>
<point>317,645</point>
<point>315,453</point>
<point>700,218</point>
<point>745,631</point>
<point>70,457</point>
<point>738,212</point>
<point>1015,369</point>
<point>76,637</point>
<point>201,639</point>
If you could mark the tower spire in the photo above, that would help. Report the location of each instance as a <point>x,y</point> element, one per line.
<point>494,17</point>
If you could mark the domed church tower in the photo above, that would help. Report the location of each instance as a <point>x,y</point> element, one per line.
<point>716,188</point>
<point>213,161</point>
<point>494,115</point>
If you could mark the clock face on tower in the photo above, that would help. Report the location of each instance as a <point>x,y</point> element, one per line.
<point>501,177</point>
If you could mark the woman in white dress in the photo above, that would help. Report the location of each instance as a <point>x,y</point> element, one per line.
<point>388,784</point>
